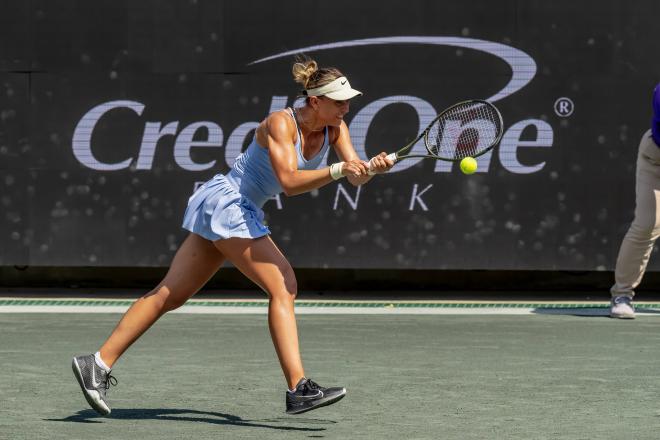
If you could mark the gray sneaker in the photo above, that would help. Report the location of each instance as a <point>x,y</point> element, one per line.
<point>94,382</point>
<point>309,395</point>
<point>622,307</point>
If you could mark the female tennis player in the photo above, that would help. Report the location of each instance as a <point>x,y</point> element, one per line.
<point>225,219</point>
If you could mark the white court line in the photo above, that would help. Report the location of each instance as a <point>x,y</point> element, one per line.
<point>237,310</point>
<point>254,310</point>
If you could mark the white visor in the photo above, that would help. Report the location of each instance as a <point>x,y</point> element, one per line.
<point>339,90</point>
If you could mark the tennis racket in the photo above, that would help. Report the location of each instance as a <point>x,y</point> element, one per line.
<point>466,129</point>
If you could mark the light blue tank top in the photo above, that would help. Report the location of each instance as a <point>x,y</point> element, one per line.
<point>252,173</point>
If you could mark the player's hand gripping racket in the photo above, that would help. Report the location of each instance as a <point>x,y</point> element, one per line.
<point>466,129</point>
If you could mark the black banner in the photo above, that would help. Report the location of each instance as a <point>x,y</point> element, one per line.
<point>112,112</point>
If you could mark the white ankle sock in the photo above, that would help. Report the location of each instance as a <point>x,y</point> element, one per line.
<point>100,363</point>
<point>296,387</point>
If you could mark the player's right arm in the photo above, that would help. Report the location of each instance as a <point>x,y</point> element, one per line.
<point>279,138</point>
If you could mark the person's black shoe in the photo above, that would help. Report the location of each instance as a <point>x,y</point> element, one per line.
<point>309,395</point>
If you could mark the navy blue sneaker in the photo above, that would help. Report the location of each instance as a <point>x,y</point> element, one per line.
<point>622,307</point>
<point>309,395</point>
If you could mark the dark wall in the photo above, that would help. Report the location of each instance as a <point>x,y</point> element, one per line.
<point>112,111</point>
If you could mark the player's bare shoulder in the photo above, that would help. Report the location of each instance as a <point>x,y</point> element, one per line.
<point>277,125</point>
<point>335,132</point>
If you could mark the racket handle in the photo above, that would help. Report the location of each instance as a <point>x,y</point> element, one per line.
<point>391,156</point>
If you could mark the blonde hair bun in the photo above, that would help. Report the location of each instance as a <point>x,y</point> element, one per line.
<point>309,75</point>
<point>303,71</point>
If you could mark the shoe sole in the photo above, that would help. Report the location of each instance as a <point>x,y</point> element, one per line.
<point>614,315</point>
<point>94,401</point>
<point>321,403</point>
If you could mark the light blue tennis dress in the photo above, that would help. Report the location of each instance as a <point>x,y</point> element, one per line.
<point>230,205</point>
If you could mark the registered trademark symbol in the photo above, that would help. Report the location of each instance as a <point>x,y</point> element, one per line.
<point>564,107</point>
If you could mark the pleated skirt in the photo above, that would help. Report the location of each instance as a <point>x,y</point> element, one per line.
<point>217,211</point>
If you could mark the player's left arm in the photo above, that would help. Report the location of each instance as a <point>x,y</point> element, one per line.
<point>340,139</point>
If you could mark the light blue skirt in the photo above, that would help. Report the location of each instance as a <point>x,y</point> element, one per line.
<point>217,211</point>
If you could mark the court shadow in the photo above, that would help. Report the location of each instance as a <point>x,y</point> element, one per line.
<point>591,312</point>
<point>585,312</point>
<point>191,415</point>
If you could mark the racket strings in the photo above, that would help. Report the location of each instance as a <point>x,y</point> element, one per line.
<point>465,130</point>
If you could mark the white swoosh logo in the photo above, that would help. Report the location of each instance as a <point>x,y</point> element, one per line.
<point>319,393</point>
<point>95,384</point>
<point>523,66</point>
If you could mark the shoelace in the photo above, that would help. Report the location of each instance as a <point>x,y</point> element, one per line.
<point>311,385</point>
<point>110,380</point>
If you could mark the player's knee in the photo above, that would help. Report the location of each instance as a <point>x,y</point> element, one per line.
<point>290,283</point>
<point>287,288</point>
<point>174,302</point>
<point>292,288</point>
<point>644,228</point>
<point>165,299</point>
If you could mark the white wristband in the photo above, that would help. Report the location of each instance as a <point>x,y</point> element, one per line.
<point>335,170</point>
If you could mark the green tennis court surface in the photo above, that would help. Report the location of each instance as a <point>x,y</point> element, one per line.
<point>202,376</point>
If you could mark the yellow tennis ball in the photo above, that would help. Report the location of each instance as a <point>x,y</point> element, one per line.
<point>468,165</point>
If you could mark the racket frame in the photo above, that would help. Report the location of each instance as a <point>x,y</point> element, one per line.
<point>400,154</point>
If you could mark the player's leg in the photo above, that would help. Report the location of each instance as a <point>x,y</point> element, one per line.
<point>261,261</point>
<point>194,263</point>
<point>638,242</point>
